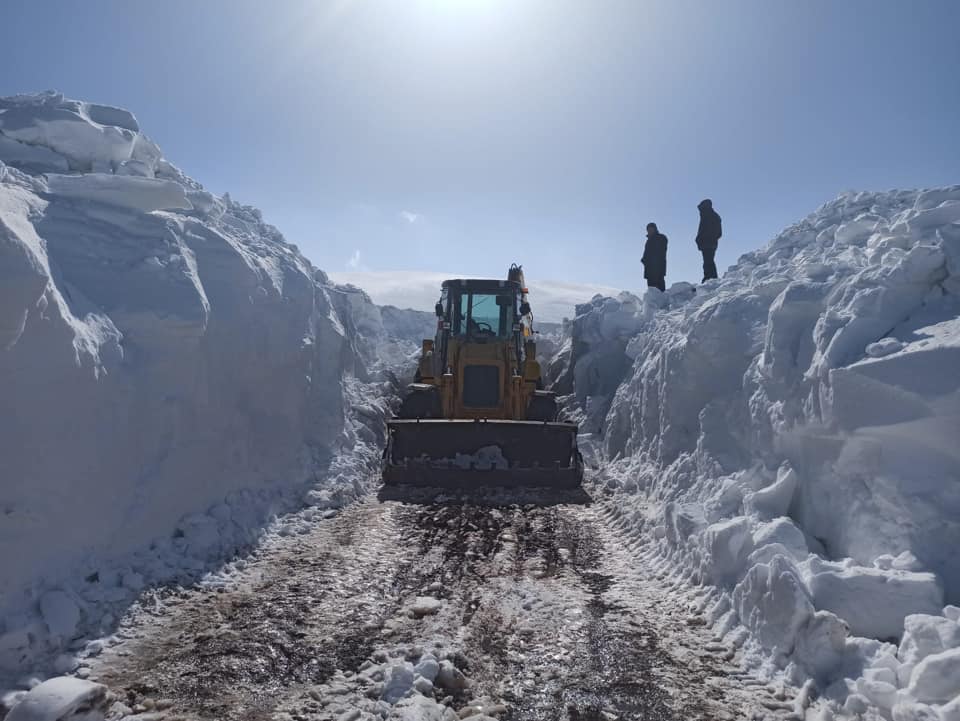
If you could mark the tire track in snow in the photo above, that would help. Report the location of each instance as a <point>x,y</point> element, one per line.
<point>549,609</point>
<point>304,608</point>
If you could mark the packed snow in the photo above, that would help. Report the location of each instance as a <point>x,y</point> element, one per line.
<point>174,374</point>
<point>788,435</point>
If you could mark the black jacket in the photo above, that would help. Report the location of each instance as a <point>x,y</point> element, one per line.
<point>710,231</point>
<point>655,257</point>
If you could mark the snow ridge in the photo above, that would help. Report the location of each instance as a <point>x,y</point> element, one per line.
<point>173,373</point>
<point>788,435</point>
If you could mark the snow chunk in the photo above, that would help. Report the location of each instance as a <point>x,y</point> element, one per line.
<point>822,647</point>
<point>773,604</point>
<point>58,698</point>
<point>729,543</point>
<point>924,635</point>
<point>784,533</point>
<point>86,134</point>
<point>424,606</point>
<point>35,158</point>
<point>936,679</point>
<point>398,682</point>
<point>774,500</point>
<point>884,347</point>
<point>144,194</point>
<point>873,602</point>
<point>485,459</point>
<point>428,667</point>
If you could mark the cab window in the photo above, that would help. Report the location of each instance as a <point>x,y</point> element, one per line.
<point>484,315</point>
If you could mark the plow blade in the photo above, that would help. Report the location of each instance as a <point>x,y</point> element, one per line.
<point>470,453</point>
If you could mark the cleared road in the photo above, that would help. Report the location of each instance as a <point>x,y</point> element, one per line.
<point>413,606</point>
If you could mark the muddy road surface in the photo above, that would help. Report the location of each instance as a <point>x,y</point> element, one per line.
<point>417,606</point>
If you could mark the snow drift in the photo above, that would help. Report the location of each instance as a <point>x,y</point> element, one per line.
<point>789,435</point>
<point>163,352</point>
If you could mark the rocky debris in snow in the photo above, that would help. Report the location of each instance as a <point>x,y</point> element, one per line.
<point>394,683</point>
<point>420,708</point>
<point>450,678</point>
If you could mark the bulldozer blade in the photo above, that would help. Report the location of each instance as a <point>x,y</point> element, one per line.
<point>469,453</point>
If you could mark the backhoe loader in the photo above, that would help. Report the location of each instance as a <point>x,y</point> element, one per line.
<point>476,413</point>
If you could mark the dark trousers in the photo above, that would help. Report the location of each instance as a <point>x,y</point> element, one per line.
<point>709,267</point>
<point>660,283</point>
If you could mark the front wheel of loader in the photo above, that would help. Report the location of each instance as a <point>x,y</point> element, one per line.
<point>423,401</point>
<point>542,407</point>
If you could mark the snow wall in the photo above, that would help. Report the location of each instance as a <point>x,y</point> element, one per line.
<point>171,373</point>
<point>790,435</point>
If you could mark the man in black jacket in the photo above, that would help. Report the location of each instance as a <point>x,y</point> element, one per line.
<point>708,236</point>
<point>655,258</point>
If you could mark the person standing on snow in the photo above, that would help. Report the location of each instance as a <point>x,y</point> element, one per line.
<point>708,236</point>
<point>655,258</point>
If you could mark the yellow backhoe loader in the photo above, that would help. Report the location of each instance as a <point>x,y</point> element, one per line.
<point>476,413</point>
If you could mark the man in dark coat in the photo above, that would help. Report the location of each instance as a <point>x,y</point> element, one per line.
<point>708,236</point>
<point>655,258</point>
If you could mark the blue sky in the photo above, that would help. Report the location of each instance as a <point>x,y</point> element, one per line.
<point>462,135</point>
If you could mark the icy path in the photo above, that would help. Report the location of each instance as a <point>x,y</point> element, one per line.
<point>410,608</point>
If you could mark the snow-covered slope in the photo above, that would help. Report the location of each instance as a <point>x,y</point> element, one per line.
<point>789,435</point>
<point>552,300</point>
<point>163,352</point>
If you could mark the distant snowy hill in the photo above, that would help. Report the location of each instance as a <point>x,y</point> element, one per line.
<point>789,437</point>
<point>171,371</point>
<point>552,300</point>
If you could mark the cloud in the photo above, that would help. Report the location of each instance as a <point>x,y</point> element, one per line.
<point>354,262</point>
<point>409,216</point>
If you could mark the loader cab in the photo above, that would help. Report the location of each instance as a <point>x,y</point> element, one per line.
<point>477,314</point>
<point>479,347</point>
<point>480,311</point>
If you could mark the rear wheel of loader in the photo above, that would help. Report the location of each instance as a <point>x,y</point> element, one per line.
<point>423,401</point>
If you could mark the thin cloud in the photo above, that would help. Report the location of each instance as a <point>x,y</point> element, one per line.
<point>354,262</point>
<point>409,216</point>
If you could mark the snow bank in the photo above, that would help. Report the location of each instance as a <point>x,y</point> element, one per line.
<point>788,434</point>
<point>172,372</point>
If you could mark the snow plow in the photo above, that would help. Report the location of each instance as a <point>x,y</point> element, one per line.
<point>476,413</point>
